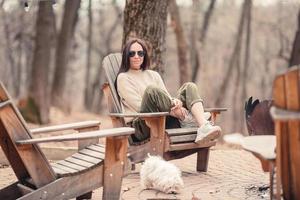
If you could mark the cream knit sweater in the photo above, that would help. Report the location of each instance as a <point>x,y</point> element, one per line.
<point>131,87</point>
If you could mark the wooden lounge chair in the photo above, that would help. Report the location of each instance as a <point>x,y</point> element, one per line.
<point>169,143</point>
<point>93,166</point>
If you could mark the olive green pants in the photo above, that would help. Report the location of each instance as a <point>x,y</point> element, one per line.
<point>157,100</point>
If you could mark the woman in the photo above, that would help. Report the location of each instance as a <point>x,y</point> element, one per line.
<point>142,90</point>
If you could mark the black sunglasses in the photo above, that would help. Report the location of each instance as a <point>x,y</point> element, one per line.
<point>139,53</point>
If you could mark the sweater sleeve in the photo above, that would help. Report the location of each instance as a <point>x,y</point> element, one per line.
<point>128,92</point>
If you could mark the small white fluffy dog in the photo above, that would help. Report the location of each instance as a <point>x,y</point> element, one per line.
<point>161,175</point>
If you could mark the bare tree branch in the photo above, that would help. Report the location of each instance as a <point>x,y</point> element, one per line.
<point>184,70</point>
<point>113,27</point>
<point>234,60</point>
<point>295,58</point>
<point>207,17</point>
<point>194,43</point>
<point>87,92</point>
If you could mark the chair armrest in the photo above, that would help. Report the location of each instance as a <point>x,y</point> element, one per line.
<point>215,109</point>
<point>76,125</point>
<point>143,115</point>
<point>123,131</point>
<point>263,145</point>
<point>284,115</point>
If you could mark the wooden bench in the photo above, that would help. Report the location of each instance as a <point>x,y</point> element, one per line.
<point>95,165</point>
<point>171,143</point>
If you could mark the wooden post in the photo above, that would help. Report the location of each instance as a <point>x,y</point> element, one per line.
<point>114,165</point>
<point>157,134</point>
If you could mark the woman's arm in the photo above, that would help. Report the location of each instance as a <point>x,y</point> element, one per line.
<point>177,110</point>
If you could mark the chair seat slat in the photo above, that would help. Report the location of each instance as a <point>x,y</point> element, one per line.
<point>87,158</point>
<point>97,148</point>
<point>67,169</point>
<point>190,145</point>
<point>79,162</point>
<point>93,153</point>
<point>183,138</point>
<point>71,165</point>
<point>84,160</point>
<point>181,131</point>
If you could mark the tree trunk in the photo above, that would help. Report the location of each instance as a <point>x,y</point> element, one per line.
<point>202,37</point>
<point>96,77</point>
<point>247,50</point>
<point>88,98</point>
<point>295,55</point>
<point>20,52</point>
<point>113,28</point>
<point>148,20</point>
<point>194,43</point>
<point>36,107</point>
<point>11,74</point>
<point>184,70</point>
<point>100,78</point>
<point>240,97</point>
<point>234,60</point>
<point>62,53</point>
<point>241,73</point>
<point>206,21</point>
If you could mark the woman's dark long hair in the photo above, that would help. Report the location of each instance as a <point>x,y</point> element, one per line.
<point>125,64</point>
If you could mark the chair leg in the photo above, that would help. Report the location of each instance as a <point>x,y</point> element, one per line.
<point>115,159</point>
<point>133,166</point>
<point>87,195</point>
<point>271,171</point>
<point>202,159</point>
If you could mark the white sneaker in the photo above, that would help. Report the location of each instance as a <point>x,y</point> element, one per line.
<point>207,115</point>
<point>189,120</point>
<point>207,132</point>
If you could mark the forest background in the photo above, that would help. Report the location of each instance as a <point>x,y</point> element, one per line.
<point>51,51</point>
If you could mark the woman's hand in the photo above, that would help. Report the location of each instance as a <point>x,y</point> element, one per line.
<point>179,113</point>
<point>177,104</point>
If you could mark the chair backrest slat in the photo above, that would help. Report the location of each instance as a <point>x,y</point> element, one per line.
<point>111,65</point>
